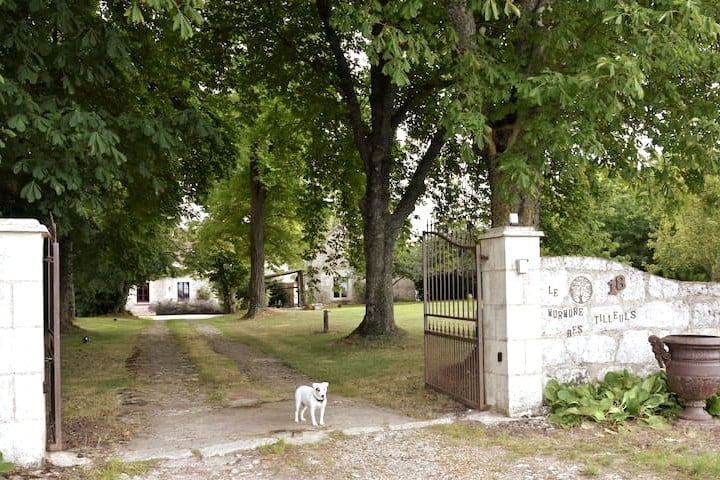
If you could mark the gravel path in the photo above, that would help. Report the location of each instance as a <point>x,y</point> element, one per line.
<point>389,455</point>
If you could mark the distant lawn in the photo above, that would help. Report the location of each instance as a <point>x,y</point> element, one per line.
<point>389,373</point>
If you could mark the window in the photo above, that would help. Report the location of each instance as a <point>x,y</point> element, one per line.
<point>340,287</point>
<point>142,293</point>
<point>183,291</point>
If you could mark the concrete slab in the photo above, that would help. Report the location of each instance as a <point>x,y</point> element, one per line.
<point>218,431</point>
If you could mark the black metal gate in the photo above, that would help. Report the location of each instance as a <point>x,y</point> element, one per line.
<point>453,317</point>
<point>51,278</point>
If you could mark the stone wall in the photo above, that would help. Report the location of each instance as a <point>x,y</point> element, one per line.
<point>596,316</point>
<point>22,369</point>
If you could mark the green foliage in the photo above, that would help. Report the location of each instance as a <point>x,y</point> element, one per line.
<point>203,293</point>
<point>274,448</point>
<point>278,295</point>
<point>591,88</point>
<point>103,123</point>
<point>608,217</point>
<point>620,397</point>
<point>125,251</point>
<point>713,405</point>
<point>574,216</point>
<point>264,131</point>
<point>676,239</point>
<point>185,14</point>
<point>115,469</point>
<point>408,261</point>
<point>5,467</point>
<point>89,103</point>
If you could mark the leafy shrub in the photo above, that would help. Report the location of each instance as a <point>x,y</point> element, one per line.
<point>171,307</point>
<point>203,293</point>
<point>620,397</point>
<point>713,405</point>
<point>5,467</point>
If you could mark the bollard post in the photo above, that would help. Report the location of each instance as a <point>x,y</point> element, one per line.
<point>326,321</point>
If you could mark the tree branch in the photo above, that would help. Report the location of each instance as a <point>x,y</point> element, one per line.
<point>417,97</point>
<point>345,79</point>
<point>463,23</point>
<point>416,186</point>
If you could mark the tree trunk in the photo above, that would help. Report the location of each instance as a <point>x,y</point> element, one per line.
<point>227,291</point>
<point>379,319</point>
<point>258,197</point>
<point>506,198</point>
<point>228,299</point>
<point>67,286</point>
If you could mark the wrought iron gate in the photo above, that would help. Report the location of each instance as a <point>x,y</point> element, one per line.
<point>51,278</point>
<point>453,317</point>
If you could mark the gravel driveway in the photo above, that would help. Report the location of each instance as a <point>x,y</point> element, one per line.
<point>187,438</point>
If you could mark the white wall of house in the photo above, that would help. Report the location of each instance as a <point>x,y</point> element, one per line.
<point>335,280</point>
<point>336,287</point>
<point>166,290</point>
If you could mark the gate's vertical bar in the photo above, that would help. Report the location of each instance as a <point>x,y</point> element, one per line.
<point>467,281</point>
<point>440,275</point>
<point>426,296</point>
<point>480,336</point>
<point>52,345</point>
<point>456,278</point>
<point>57,403</point>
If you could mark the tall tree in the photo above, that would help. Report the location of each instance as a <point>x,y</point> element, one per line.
<point>628,86</point>
<point>92,108</point>
<point>254,215</point>
<point>258,217</point>
<point>218,256</point>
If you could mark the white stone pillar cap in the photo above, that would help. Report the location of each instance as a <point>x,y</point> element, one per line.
<point>512,231</point>
<point>22,225</point>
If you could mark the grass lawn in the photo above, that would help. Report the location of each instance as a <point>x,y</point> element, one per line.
<point>389,373</point>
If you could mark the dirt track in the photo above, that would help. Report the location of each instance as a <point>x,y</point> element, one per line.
<point>176,422</point>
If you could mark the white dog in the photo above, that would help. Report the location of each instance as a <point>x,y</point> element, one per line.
<point>315,398</point>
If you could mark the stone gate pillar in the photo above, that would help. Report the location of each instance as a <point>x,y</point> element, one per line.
<point>22,351</point>
<point>511,320</point>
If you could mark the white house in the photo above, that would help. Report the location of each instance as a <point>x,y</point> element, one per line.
<point>184,289</point>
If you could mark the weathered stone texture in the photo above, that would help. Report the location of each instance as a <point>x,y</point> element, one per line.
<point>600,322</point>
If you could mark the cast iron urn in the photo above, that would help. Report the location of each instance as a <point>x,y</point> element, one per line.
<point>692,363</point>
